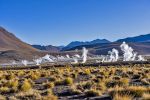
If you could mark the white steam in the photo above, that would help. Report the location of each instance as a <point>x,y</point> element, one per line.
<point>38,61</point>
<point>24,62</point>
<point>128,54</point>
<point>84,54</point>
<point>76,55</point>
<point>140,58</point>
<point>114,55</point>
<point>75,60</point>
<point>47,57</point>
<point>67,56</point>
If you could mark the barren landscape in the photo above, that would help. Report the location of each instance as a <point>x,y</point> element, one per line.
<point>74,50</point>
<point>126,82</point>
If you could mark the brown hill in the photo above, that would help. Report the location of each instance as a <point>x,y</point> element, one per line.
<point>10,42</point>
<point>12,48</point>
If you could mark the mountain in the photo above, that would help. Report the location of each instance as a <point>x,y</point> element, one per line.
<point>103,48</point>
<point>8,41</point>
<point>48,48</point>
<point>79,43</point>
<point>140,44</point>
<point>12,48</point>
<point>141,38</point>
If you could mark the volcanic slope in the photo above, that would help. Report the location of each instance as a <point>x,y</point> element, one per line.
<point>12,48</point>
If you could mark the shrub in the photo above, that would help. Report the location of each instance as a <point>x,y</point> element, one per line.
<point>49,92</point>
<point>76,92</point>
<point>50,85</point>
<point>30,95</point>
<point>59,82</point>
<point>125,75</point>
<point>101,86</point>
<point>26,86</point>
<point>113,83</point>
<point>74,75</point>
<point>20,73</point>
<point>4,90</point>
<point>121,82</point>
<point>87,71</point>
<point>50,97</point>
<point>125,81</point>
<point>68,81</point>
<point>122,97</point>
<point>136,91</point>
<point>12,83</point>
<point>87,85</point>
<point>92,93</point>
<point>9,77</point>
<point>34,77</point>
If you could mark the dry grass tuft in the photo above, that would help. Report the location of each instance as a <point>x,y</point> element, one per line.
<point>26,86</point>
<point>122,97</point>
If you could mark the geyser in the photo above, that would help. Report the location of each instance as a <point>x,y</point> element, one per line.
<point>38,61</point>
<point>76,55</point>
<point>75,60</point>
<point>114,55</point>
<point>47,57</point>
<point>24,62</point>
<point>128,54</point>
<point>140,58</point>
<point>67,56</point>
<point>84,54</point>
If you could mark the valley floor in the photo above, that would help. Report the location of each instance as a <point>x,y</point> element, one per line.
<point>124,82</point>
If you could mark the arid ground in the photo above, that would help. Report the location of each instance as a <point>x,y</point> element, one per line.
<point>126,82</point>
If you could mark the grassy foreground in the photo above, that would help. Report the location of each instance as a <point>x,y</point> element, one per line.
<point>116,82</point>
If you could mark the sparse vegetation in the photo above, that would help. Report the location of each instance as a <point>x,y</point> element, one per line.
<point>122,97</point>
<point>123,82</point>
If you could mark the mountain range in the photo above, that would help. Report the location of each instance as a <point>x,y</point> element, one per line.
<point>12,48</point>
<point>142,48</point>
<point>140,44</point>
<point>101,46</point>
<point>78,43</point>
<point>141,38</point>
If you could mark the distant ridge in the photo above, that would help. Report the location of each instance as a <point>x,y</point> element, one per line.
<point>103,48</point>
<point>141,38</point>
<point>140,44</point>
<point>79,43</point>
<point>48,48</point>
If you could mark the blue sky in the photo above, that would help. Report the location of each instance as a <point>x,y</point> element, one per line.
<point>58,22</point>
